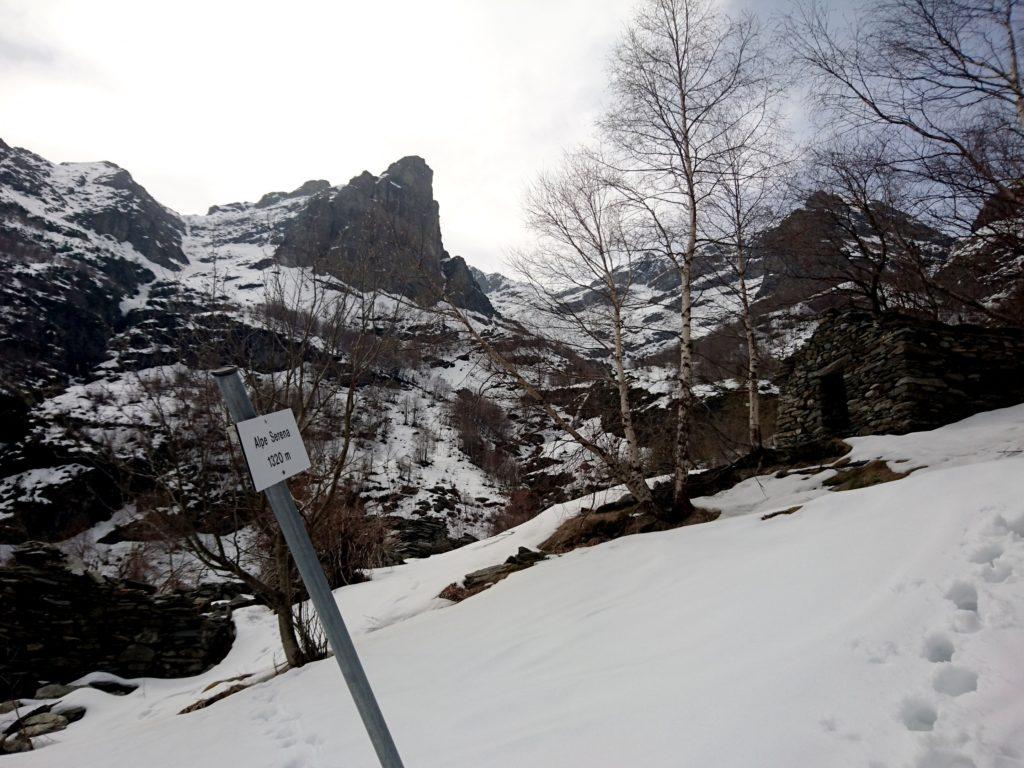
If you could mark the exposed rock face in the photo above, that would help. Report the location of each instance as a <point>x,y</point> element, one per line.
<point>802,255</point>
<point>311,187</point>
<point>57,502</point>
<point>75,239</point>
<point>382,233</point>
<point>56,625</point>
<point>862,375</point>
<point>988,266</point>
<point>100,197</point>
<point>133,216</point>
<point>420,537</point>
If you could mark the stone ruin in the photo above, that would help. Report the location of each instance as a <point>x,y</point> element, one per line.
<point>57,625</point>
<point>860,374</point>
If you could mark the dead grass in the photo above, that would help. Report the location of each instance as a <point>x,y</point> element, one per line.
<point>457,594</point>
<point>855,475</point>
<point>602,525</point>
<point>789,511</point>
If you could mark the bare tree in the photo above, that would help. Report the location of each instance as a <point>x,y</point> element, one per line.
<point>310,346</point>
<point>678,74</point>
<point>587,248</point>
<point>749,198</point>
<point>873,250</point>
<point>941,79</point>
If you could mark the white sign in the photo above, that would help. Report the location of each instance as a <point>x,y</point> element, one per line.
<point>273,448</point>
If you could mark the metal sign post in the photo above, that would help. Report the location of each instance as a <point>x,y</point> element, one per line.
<point>240,407</point>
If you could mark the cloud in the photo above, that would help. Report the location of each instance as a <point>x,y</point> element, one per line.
<point>15,53</point>
<point>207,102</point>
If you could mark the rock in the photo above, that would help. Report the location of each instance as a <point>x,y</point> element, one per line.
<point>487,576</point>
<point>113,687</point>
<point>382,232</point>
<point>16,725</point>
<point>47,722</point>
<point>419,537</point>
<point>137,655</point>
<point>58,625</point>
<point>16,743</point>
<point>524,558</point>
<point>55,691</point>
<point>311,187</point>
<point>9,706</point>
<point>72,714</point>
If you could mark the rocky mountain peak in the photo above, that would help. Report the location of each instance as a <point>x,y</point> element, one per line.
<point>311,187</point>
<point>411,173</point>
<point>382,232</point>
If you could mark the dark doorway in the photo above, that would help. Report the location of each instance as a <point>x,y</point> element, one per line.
<point>835,417</point>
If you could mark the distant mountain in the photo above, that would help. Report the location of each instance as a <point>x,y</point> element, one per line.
<point>83,242</point>
<point>99,282</point>
<point>988,266</point>
<point>793,272</point>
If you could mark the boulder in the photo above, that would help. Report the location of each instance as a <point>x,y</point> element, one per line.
<point>15,743</point>
<point>72,714</point>
<point>486,577</point>
<point>55,691</point>
<point>46,722</point>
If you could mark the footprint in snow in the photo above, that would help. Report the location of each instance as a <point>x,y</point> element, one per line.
<point>937,758</point>
<point>918,715</point>
<point>987,555</point>
<point>938,648</point>
<point>997,573</point>
<point>955,681</point>
<point>964,596</point>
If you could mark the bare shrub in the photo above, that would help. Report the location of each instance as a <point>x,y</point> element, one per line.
<point>521,506</point>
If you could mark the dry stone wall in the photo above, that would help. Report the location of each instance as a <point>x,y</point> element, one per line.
<point>57,625</point>
<point>860,375</point>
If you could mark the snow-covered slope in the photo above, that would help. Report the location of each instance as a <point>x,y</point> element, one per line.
<point>874,627</point>
<point>99,283</point>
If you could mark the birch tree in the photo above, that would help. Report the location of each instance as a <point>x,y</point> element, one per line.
<point>587,244</point>
<point>677,75</point>
<point>748,199</point>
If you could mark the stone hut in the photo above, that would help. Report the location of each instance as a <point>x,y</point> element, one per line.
<point>57,625</point>
<point>860,375</point>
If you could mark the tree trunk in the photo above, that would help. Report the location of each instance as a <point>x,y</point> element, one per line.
<point>681,505</point>
<point>753,396</point>
<point>625,410</point>
<point>286,628</point>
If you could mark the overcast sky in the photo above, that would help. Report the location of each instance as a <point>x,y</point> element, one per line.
<point>209,102</point>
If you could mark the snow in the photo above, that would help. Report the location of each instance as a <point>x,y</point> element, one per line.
<point>876,627</point>
<point>27,486</point>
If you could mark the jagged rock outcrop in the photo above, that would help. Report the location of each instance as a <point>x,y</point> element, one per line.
<point>382,232</point>
<point>100,197</point>
<point>311,187</point>
<point>57,625</point>
<point>133,216</point>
